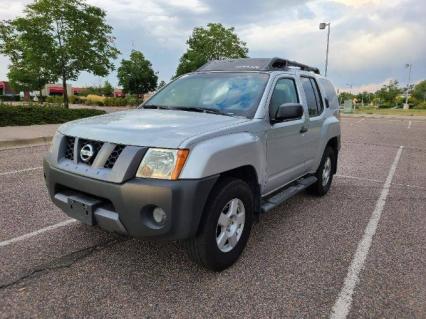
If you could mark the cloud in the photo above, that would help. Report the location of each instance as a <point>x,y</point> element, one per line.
<point>11,9</point>
<point>371,40</point>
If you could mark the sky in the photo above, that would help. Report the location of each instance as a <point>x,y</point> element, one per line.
<point>371,41</point>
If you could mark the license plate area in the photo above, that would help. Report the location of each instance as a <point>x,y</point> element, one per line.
<point>82,207</point>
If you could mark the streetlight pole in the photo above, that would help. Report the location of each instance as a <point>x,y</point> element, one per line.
<point>322,26</point>
<point>406,106</point>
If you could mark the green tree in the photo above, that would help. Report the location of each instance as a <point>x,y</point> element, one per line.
<point>161,84</point>
<point>136,75</point>
<point>364,97</point>
<point>65,37</point>
<point>388,94</point>
<point>28,78</point>
<point>419,92</point>
<point>212,43</point>
<point>107,90</point>
<point>343,96</point>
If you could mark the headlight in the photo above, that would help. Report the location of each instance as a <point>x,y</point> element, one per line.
<point>162,163</point>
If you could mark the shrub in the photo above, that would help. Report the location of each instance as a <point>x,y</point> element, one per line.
<point>93,99</point>
<point>133,100</point>
<point>10,98</point>
<point>55,99</point>
<point>75,99</point>
<point>420,106</point>
<point>29,115</point>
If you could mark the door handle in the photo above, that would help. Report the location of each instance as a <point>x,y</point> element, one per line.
<point>303,129</point>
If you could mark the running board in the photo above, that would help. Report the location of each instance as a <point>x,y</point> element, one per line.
<point>279,198</point>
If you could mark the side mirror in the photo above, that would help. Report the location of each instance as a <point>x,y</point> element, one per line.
<point>289,111</point>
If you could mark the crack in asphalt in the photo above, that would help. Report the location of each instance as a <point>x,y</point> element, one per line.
<point>65,261</point>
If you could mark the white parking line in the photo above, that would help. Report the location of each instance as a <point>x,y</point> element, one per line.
<point>409,124</point>
<point>344,300</point>
<point>359,121</point>
<point>35,233</point>
<point>21,170</point>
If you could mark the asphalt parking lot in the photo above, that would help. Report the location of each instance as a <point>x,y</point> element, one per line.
<point>360,251</point>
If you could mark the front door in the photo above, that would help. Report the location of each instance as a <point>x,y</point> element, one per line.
<point>285,153</point>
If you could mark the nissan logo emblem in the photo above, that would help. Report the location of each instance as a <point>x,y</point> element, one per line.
<point>86,153</point>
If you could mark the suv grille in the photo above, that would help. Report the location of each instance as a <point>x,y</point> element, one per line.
<point>69,148</point>
<point>96,148</point>
<point>96,145</point>
<point>114,156</point>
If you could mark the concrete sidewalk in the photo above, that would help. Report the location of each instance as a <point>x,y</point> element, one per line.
<point>11,136</point>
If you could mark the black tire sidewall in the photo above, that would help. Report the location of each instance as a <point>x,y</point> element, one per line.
<point>214,257</point>
<point>323,189</point>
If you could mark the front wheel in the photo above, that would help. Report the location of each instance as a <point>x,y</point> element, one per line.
<point>324,174</point>
<point>225,228</point>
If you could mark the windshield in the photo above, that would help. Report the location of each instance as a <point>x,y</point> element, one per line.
<point>228,93</point>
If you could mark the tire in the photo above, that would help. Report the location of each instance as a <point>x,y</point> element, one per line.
<point>230,197</point>
<point>328,163</point>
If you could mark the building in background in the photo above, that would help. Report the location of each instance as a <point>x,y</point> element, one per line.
<point>118,93</point>
<point>6,90</point>
<point>56,89</point>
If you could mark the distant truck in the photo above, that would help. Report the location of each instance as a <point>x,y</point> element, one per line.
<point>203,158</point>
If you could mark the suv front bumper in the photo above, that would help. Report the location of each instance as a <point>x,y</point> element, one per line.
<point>127,207</point>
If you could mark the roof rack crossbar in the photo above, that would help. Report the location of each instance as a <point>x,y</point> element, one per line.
<point>278,63</point>
<point>255,64</point>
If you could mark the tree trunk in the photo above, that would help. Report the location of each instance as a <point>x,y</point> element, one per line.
<point>64,86</point>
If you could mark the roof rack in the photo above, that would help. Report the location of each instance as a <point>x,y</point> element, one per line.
<point>255,64</point>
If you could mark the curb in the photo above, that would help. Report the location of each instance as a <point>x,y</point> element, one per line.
<point>27,141</point>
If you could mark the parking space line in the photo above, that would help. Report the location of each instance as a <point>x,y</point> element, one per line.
<point>37,232</point>
<point>21,170</point>
<point>409,124</point>
<point>343,302</point>
<point>359,121</point>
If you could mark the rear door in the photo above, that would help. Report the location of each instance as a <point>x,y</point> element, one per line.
<point>315,105</point>
<point>285,140</point>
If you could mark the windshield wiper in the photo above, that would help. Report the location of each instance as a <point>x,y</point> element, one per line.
<point>201,110</point>
<point>156,107</point>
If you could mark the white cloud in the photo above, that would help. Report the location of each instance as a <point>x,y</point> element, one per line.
<point>156,17</point>
<point>371,40</point>
<point>11,9</point>
<point>370,87</point>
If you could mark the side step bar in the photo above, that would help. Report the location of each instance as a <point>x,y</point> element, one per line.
<point>280,197</point>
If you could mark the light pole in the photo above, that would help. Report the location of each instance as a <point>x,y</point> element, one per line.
<point>322,26</point>
<point>406,106</point>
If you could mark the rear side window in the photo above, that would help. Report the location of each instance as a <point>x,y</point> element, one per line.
<point>330,93</point>
<point>313,96</point>
<point>284,92</point>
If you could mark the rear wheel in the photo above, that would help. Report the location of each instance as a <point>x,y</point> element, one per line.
<point>324,174</point>
<point>225,228</point>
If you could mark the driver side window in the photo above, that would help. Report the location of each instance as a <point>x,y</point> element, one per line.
<point>284,92</point>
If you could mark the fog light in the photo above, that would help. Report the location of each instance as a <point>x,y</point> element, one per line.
<point>159,215</point>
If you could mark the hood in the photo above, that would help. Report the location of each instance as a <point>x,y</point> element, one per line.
<point>142,127</point>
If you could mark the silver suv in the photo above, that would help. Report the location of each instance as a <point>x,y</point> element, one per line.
<point>203,158</point>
